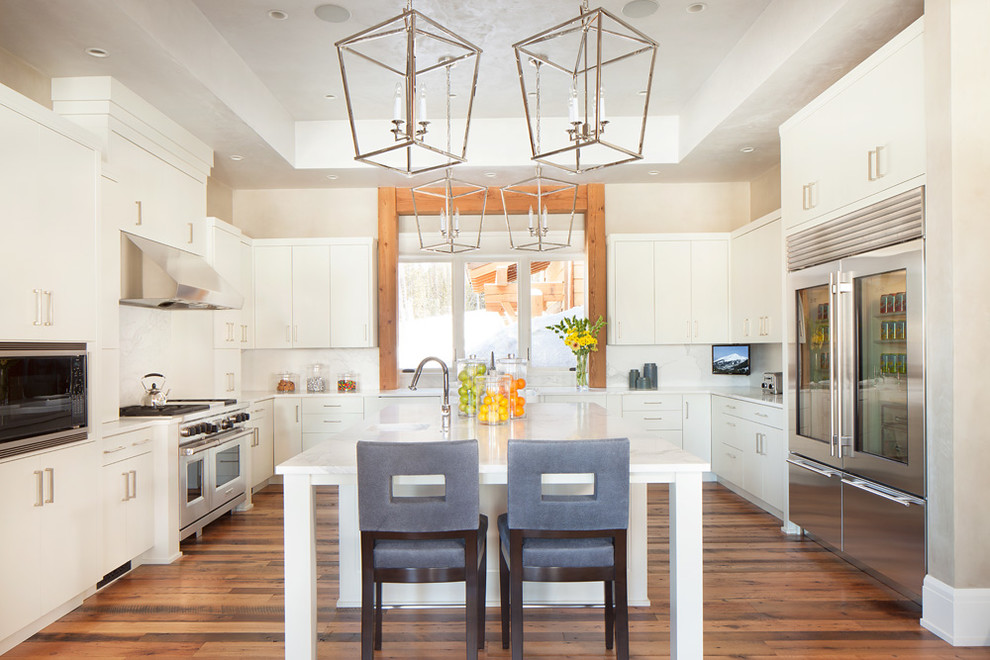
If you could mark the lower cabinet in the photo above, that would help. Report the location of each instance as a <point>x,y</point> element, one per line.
<point>262,443</point>
<point>696,428</point>
<point>324,417</point>
<point>288,428</point>
<point>50,500</point>
<point>660,414</point>
<point>748,449</point>
<point>127,479</point>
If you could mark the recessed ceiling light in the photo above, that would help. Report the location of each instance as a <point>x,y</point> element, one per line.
<point>642,92</point>
<point>489,174</point>
<point>332,13</point>
<point>639,8</point>
<point>653,172</point>
<point>330,97</point>
<point>747,149</point>
<point>278,14</point>
<point>332,177</point>
<point>236,157</point>
<point>696,7</point>
<point>97,52</point>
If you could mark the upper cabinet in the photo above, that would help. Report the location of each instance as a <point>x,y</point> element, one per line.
<point>223,251</point>
<point>316,293</point>
<point>757,281</point>
<point>668,288</point>
<point>863,136</point>
<point>49,177</point>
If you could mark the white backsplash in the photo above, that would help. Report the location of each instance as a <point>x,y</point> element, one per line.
<point>688,365</point>
<point>145,340</point>
<point>261,367</point>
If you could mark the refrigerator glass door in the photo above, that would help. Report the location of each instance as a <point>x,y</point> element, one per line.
<point>813,382</point>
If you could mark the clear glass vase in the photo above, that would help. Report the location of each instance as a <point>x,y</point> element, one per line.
<point>581,371</point>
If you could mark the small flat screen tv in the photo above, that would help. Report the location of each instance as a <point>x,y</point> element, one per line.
<point>730,359</point>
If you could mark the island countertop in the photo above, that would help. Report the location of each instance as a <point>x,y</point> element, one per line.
<point>335,459</point>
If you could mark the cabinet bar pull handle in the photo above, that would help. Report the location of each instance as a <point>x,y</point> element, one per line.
<point>37,307</point>
<point>51,486</point>
<point>114,451</point>
<point>869,165</point>
<point>745,327</point>
<point>804,197</point>
<point>365,330</point>
<point>255,439</point>
<point>51,308</point>
<point>331,405</point>
<point>332,421</point>
<point>687,328</point>
<point>288,334</point>
<point>39,498</point>
<point>295,333</point>
<point>297,414</point>
<point>142,442</point>
<point>732,424</point>
<point>190,232</point>
<point>759,414</point>
<point>140,214</point>
<point>687,410</point>
<point>880,174</point>
<point>134,483</point>
<point>695,328</point>
<point>127,487</point>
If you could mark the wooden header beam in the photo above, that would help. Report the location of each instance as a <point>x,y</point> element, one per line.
<point>518,204</point>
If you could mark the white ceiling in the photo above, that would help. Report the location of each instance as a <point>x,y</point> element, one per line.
<point>247,84</point>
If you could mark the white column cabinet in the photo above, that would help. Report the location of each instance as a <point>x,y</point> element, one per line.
<point>50,500</point>
<point>245,332</point>
<point>48,184</point>
<point>288,428</point>
<point>756,282</point>
<point>697,425</point>
<point>863,136</point>
<point>224,254</point>
<point>314,294</point>
<point>262,444</point>
<point>668,288</point>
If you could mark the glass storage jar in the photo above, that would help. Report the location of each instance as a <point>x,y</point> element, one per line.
<point>347,382</point>
<point>516,369</point>
<point>285,382</point>
<point>469,390</point>
<point>493,409</point>
<point>316,379</point>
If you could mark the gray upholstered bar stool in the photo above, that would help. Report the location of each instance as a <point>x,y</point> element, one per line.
<point>546,537</point>
<point>420,537</point>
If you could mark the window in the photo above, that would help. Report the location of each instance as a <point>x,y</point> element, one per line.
<point>425,315</point>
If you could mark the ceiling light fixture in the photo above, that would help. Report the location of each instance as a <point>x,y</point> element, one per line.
<point>747,149</point>
<point>545,194</point>
<point>330,97</point>
<point>400,60</point>
<point>97,52</point>
<point>696,8</point>
<point>653,172</point>
<point>278,14</point>
<point>640,8</point>
<point>236,157</point>
<point>579,55</point>
<point>332,13</point>
<point>332,177</point>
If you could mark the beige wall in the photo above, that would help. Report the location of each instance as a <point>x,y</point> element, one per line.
<point>25,79</point>
<point>675,207</point>
<point>307,213</point>
<point>219,200</point>
<point>958,273</point>
<point>764,193</point>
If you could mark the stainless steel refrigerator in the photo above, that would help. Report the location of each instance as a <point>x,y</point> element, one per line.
<point>856,382</point>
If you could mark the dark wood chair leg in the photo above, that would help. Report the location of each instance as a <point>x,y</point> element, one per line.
<point>515,594</point>
<point>378,616</point>
<point>471,597</point>
<point>609,615</point>
<point>503,593</point>
<point>621,601</point>
<point>367,605</point>
<point>482,594</point>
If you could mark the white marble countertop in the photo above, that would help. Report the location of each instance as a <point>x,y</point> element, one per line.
<point>651,459</point>
<point>127,424</point>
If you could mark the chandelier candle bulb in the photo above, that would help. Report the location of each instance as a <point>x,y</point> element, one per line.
<point>422,105</point>
<point>572,107</point>
<point>397,109</point>
<point>531,219</point>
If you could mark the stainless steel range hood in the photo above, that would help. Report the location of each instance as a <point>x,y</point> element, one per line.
<point>156,275</point>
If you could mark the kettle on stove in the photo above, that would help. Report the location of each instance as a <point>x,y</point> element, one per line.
<point>155,395</point>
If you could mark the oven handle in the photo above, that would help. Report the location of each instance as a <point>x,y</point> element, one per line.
<point>220,439</point>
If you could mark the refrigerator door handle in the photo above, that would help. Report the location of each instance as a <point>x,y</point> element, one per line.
<point>833,298</point>
<point>906,500</point>
<point>813,468</point>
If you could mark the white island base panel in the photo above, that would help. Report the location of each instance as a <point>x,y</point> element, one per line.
<point>651,461</point>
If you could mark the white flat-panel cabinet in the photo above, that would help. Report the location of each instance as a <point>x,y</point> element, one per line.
<point>748,449</point>
<point>310,296</point>
<point>757,277</point>
<point>227,373</point>
<point>315,294</point>
<point>166,204</point>
<point>48,184</point>
<point>224,254</point>
<point>631,293</point>
<point>288,428</point>
<point>861,137</point>
<point>668,288</point>
<point>352,295</point>
<point>245,332</point>
<point>51,501</point>
<point>697,425</point>
<point>262,443</point>
<point>128,497</point>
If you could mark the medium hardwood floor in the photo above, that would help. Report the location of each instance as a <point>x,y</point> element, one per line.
<point>767,595</point>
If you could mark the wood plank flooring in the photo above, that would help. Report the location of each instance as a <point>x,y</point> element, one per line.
<point>767,595</point>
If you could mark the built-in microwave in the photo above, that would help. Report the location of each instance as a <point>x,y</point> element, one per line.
<point>43,396</point>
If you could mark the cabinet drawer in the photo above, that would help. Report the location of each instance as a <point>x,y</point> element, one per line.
<point>754,412</point>
<point>656,420</point>
<point>330,422</point>
<point>126,445</point>
<point>337,404</point>
<point>261,410</point>
<point>652,402</point>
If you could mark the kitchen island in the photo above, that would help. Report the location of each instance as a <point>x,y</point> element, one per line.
<point>651,461</point>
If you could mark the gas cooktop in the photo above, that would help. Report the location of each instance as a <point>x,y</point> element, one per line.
<point>168,410</point>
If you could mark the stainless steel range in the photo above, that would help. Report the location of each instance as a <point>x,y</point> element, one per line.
<point>212,455</point>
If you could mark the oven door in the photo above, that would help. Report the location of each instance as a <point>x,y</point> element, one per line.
<point>195,489</point>
<point>229,468</point>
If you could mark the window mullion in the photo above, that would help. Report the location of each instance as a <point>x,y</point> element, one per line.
<point>457,293</point>
<point>523,307</point>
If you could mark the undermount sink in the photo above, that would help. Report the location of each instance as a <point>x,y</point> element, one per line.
<point>400,426</point>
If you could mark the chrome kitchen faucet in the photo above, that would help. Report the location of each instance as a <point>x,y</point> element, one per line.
<point>445,406</point>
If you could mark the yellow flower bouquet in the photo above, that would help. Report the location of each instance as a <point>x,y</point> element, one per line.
<point>581,336</point>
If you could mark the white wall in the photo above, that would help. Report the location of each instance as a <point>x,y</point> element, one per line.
<point>314,213</point>
<point>632,208</point>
